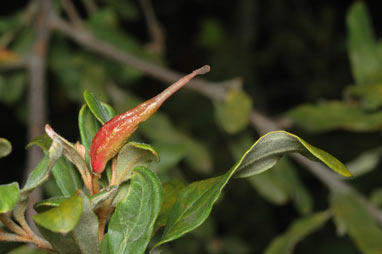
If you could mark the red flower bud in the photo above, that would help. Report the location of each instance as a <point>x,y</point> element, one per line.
<point>112,135</point>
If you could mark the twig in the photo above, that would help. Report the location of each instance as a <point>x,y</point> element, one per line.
<point>73,15</point>
<point>155,29</point>
<point>209,89</point>
<point>11,225</point>
<point>90,6</point>
<point>36,91</point>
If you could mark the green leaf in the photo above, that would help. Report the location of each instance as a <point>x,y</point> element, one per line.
<point>5,147</point>
<point>130,156</point>
<point>14,87</point>
<point>67,177</point>
<point>364,56</point>
<point>43,141</point>
<point>83,238</point>
<point>170,155</point>
<point>63,218</point>
<point>170,194</point>
<point>233,114</point>
<point>285,243</point>
<point>100,110</point>
<point>70,153</point>
<point>268,149</point>
<point>361,226</point>
<point>41,173</point>
<point>333,115</point>
<point>47,204</point>
<point>194,202</point>
<point>132,223</point>
<point>370,95</point>
<point>9,196</point>
<point>98,199</point>
<point>88,126</point>
<point>104,246</point>
<point>365,162</point>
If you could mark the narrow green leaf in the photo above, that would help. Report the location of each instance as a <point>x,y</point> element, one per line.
<point>5,147</point>
<point>100,110</point>
<point>268,149</point>
<point>233,114</point>
<point>364,57</point>
<point>132,223</point>
<point>365,162</point>
<point>9,196</point>
<point>63,218</point>
<point>41,173</point>
<point>132,155</point>
<point>370,95</point>
<point>285,243</point>
<point>194,202</point>
<point>88,126</point>
<point>83,239</point>
<point>361,226</point>
<point>170,194</point>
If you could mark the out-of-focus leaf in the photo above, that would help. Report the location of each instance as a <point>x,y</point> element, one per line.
<point>170,193</point>
<point>127,9</point>
<point>63,218</point>
<point>335,115</point>
<point>133,155</point>
<point>13,88</point>
<point>102,112</point>
<point>7,56</point>
<point>376,197</point>
<point>88,126</point>
<point>83,239</point>
<point>195,201</point>
<point>285,243</point>
<point>212,34</point>
<point>370,95</point>
<point>169,154</point>
<point>233,114</point>
<point>41,173</point>
<point>47,204</point>
<point>5,147</point>
<point>27,249</point>
<point>365,162</point>
<point>269,187</point>
<point>364,56</point>
<point>361,226</point>
<point>8,247</point>
<point>132,223</point>
<point>9,196</point>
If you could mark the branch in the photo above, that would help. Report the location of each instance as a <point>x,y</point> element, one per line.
<point>71,11</point>
<point>209,89</point>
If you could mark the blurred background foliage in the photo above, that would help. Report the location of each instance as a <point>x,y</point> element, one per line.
<point>315,68</point>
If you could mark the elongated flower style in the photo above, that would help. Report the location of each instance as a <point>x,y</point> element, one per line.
<point>112,135</point>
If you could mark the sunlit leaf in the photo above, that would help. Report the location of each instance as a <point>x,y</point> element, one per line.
<point>132,223</point>
<point>285,243</point>
<point>9,196</point>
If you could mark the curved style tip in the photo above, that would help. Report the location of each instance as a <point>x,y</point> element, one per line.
<point>203,70</point>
